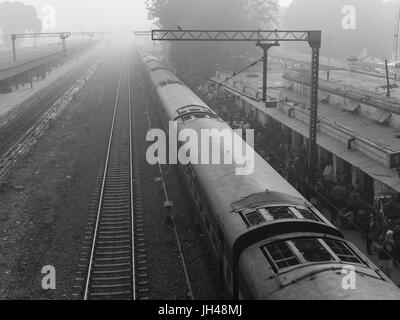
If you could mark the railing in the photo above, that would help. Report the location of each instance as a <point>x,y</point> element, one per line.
<point>382,150</point>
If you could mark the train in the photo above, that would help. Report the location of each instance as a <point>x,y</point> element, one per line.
<point>269,242</point>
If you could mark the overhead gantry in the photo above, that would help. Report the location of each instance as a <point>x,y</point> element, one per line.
<point>265,39</point>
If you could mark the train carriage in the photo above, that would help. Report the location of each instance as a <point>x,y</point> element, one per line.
<point>269,241</point>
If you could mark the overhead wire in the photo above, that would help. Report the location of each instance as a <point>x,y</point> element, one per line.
<point>235,74</point>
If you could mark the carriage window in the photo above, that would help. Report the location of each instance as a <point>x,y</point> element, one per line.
<point>285,254</point>
<point>307,214</point>
<point>194,116</point>
<point>168,82</point>
<point>187,118</point>
<point>255,218</point>
<point>280,213</point>
<point>267,214</point>
<point>188,109</point>
<point>342,251</point>
<point>282,255</point>
<point>312,250</point>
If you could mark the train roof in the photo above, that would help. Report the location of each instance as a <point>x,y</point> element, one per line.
<point>148,58</point>
<point>240,201</point>
<point>162,77</point>
<point>264,185</point>
<point>176,96</point>
<point>153,64</point>
<point>234,196</point>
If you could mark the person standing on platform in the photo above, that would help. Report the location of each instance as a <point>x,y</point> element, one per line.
<point>339,196</point>
<point>371,230</point>
<point>386,254</point>
<point>328,172</point>
<point>357,188</point>
<point>396,239</point>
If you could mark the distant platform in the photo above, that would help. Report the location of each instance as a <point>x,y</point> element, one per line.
<point>325,63</point>
<point>363,81</point>
<point>10,101</point>
<point>28,58</point>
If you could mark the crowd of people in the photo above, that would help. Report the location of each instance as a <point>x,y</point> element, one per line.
<point>338,199</point>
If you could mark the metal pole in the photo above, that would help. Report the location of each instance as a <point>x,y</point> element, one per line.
<point>266,47</point>
<point>396,42</point>
<point>265,72</point>
<point>314,40</point>
<point>64,46</point>
<point>387,79</point>
<point>312,152</point>
<point>13,38</point>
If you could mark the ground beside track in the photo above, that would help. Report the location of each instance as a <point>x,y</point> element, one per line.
<point>166,275</point>
<point>44,205</point>
<point>45,200</point>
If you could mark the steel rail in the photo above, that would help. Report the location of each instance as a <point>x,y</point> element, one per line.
<point>131,185</point>
<point>88,279</point>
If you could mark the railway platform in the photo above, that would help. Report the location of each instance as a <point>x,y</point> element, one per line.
<point>11,102</point>
<point>30,61</point>
<point>26,54</point>
<point>348,68</point>
<point>371,143</point>
<point>358,143</point>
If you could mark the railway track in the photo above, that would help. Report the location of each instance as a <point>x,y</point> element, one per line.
<point>19,135</point>
<point>117,266</point>
<point>13,130</point>
<point>114,261</point>
<point>112,267</point>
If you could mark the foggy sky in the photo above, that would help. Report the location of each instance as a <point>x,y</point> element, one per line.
<point>92,15</point>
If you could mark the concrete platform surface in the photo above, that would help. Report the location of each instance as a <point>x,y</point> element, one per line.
<point>32,53</point>
<point>10,100</point>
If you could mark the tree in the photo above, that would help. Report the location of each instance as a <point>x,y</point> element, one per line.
<point>16,17</point>
<point>202,58</point>
<point>263,14</point>
<point>373,30</point>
